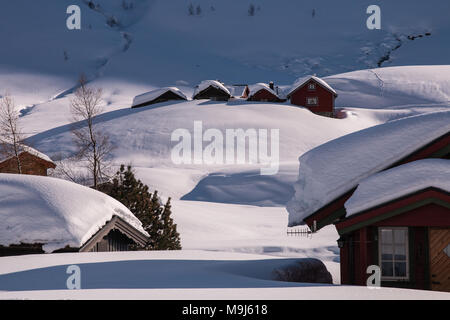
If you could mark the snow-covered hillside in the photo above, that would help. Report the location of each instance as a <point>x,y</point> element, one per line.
<point>158,43</point>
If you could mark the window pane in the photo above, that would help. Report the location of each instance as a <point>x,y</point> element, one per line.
<point>400,236</point>
<point>400,269</point>
<point>400,253</point>
<point>386,236</point>
<point>387,269</point>
<point>386,252</point>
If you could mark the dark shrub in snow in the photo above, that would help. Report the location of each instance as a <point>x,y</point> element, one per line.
<point>308,270</point>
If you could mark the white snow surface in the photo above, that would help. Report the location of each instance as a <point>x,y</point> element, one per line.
<point>336,167</point>
<point>55,212</point>
<point>173,275</point>
<point>210,83</point>
<point>399,181</point>
<point>301,81</point>
<point>151,95</point>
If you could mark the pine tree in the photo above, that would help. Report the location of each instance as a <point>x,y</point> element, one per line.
<point>146,207</point>
<point>170,238</point>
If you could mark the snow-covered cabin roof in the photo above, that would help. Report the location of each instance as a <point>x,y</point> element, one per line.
<point>300,82</point>
<point>210,83</point>
<point>152,95</point>
<point>334,168</point>
<point>55,212</point>
<point>25,148</point>
<point>399,181</point>
<point>254,88</point>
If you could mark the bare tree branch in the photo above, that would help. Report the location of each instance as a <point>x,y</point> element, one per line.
<point>11,138</point>
<point>93,147</point>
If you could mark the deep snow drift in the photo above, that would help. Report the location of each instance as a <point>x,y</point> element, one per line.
<point>399,181</point>
<point>58,213</point>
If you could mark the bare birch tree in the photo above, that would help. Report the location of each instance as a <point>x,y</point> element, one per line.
<point>93,147</point>
<point>11,139</point>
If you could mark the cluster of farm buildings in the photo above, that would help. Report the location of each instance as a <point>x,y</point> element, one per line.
<point>311,92</point>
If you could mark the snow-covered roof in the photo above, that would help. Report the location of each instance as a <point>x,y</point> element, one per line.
<point>55,212</point>
<point>208,83</point>
<point>152,95</point>
<point>254,88</point>
<point>25,148</point>
<point>334,168</point>
<point>301,81</point>
<point>399,181</point>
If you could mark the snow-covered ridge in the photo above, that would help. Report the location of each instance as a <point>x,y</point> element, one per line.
<point>55,212</point>
<point>399,181</point>
<point>331,169</point>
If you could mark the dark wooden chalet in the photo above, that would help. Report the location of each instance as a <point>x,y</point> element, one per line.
<point>213,90</point>
<point>314,94</point>
<point>116,235</point>
<point>157,96</point>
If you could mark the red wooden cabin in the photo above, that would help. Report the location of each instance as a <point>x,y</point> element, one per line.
<point>314,94</point>
<point>262,92</point>
<point>419,219</point>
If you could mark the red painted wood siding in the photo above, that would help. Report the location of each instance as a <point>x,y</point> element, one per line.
<point>326,98</point>
<point>427,215</point>
<point>264,95</point>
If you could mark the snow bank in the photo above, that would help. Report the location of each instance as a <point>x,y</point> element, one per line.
<point>399,181</point>
<point>54,212</point>
<point>336,167</point>
<point>152,95</point>
<point>301,81</point>
<point>207,83</point>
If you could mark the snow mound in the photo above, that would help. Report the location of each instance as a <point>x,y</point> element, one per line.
<point>57,213</point>
<point>399,181</point>
<point>336,167</point>
<point>210,83</point>
<point>152,95</point>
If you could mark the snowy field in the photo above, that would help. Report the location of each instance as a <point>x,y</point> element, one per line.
<point>189,274</point>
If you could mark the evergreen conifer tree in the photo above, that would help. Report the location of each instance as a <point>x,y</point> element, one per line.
<point>147,207</point>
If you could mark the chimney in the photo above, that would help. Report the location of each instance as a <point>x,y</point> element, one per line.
<point>271,85</point>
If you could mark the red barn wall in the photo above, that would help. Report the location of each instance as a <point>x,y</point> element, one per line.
<point>263,95</point>
<point>326,98</point>
<point>29,163</point>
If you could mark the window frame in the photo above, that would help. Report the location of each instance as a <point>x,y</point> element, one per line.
<point>313,85</point>
<point>312,105</point>
<point>393,244</point>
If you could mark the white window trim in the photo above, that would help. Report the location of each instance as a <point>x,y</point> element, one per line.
<point>311,84</point>
<point>407,253</point>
